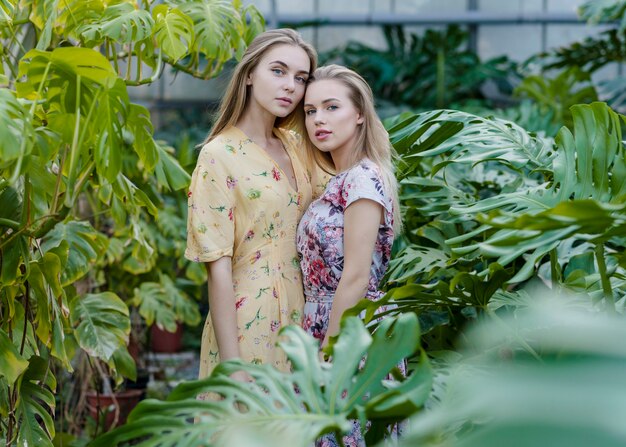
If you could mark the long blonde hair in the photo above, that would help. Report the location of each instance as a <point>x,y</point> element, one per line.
<point>235,99</point>
<point>372,138</point>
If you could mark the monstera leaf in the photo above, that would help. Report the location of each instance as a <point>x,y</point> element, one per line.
<point>16,130</point>
<point>12,364</point>
<point>289,408</point>
<point>163,304</point>
<point>120,22</point>
<point>596,11</point>
<point>173,31</point>
<point>101,323</point>
<point>461,137</point>
<point>518,399</point>
<point>83,244</point>
<point>218,29</point>
<point>590,164</point>
<point>35,404</point>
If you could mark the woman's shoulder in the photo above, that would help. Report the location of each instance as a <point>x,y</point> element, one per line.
<point>224,144</point>
<point>364,168</point>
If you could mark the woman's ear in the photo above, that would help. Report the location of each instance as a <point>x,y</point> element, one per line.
<point>360,119</point>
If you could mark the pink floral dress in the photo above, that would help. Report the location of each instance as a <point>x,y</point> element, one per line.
<point>320,244</point>
<point>320,241</point>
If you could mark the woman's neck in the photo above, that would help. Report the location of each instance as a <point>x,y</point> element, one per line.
<point>342,159</point>
<point>257,125</point>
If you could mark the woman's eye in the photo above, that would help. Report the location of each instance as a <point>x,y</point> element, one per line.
<point>332,107</point>
<point>277,71</point>
<point>309,112</point>
<point>301,80</point>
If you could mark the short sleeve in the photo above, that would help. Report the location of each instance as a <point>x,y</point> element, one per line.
<point>365,182</point>
<point>211,206</point>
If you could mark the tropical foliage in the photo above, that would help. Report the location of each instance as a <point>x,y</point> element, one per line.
<point>430,71</point>
<point>82,180</point>
<point>500,394</point>
<point>497,210</point>
<point>291,408</point>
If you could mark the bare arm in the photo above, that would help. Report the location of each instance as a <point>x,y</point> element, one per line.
<point>222,307</point>
<point>361,221</point>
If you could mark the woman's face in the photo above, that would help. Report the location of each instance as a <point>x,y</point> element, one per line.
<point>279,80</point>
<point>332,120</point>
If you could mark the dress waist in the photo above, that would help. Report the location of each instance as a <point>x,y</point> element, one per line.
<point>317,297</point>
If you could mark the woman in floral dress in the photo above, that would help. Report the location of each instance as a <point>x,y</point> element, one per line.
<point>247,194</point>
<point>345,236</point>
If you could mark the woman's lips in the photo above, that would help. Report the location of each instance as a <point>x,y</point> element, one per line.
<point>322,134</point>
<point>285,101</point>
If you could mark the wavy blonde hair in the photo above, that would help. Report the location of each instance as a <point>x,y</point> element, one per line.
<point>372,138</point>
<point>235,99</point>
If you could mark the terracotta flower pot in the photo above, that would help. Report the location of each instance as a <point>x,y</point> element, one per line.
<point>163,341</point>
<point>101,403</point>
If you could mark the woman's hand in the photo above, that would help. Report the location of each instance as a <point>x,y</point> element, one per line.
<point>242,376</point>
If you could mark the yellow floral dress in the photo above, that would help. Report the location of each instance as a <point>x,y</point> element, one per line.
<point>242,205</point>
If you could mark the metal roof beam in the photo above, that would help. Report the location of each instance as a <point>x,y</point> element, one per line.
<point>464,18</point>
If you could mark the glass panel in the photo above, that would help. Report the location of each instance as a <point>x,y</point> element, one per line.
<point>511,6</point>
<point>518,42</point>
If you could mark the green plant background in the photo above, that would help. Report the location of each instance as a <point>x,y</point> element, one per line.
<point>503,207</point>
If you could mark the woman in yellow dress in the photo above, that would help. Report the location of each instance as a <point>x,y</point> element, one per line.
<point>248,191</point>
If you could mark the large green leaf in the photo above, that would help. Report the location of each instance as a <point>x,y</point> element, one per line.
<point>590,164</point>
<point>596,11</point>
<point>289,408</point>
<point>587,164</point>
<point>465,138</point>
<point>12,364</point>
<point>86,100</point>
<point>173,31</point>
<point>77,13</point>
<point>16,130</point>
<point>51,316</point>
<point>65,64</point>
<point>35,404</point>
<point>571,86</point>
<point>101,322</point>
<point>14,254</point>
<point>44,15</point>
<point>140,126</point>
<point>120,22</point>
<point>218,28</point>
<point>84,244</point>
<point>254,21</point>
<point>108,122</point>
<point>498,394</point>
<point>169,172</point>
<point>163,304</point>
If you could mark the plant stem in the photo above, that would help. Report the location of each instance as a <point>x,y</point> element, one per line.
<point>26,309</point>
<point>138,55</point>
<point>74,150</point>
<point>55,198</point>
<point>606,282</point>
<point>9,223</point>
<point>129,63</point>
<point>554,269</point>
<point>11,418</point>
